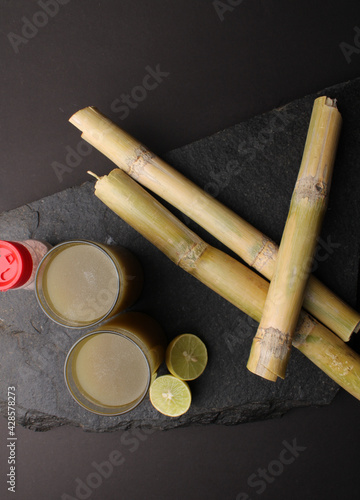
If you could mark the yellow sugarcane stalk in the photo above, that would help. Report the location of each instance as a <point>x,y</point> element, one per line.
<point>223,274</point>
<point>251,245</point>
<point>271,346</point>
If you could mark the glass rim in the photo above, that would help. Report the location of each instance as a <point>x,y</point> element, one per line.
<point>47,312</point>
<point>116,413</point>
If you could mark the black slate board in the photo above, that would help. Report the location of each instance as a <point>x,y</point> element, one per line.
<point>252,168</point>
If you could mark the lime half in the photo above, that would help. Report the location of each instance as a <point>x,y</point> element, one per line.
<point>170,395</point>
<point>186,356</point>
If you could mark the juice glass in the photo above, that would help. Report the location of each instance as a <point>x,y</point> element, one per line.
<point>80,283</point>
<point>108,371</point>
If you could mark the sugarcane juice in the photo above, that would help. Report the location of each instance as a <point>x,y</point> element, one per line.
<point>80,283</point>
<point>110,370</point>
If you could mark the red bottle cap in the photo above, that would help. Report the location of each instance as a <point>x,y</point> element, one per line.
<point>16,265</point>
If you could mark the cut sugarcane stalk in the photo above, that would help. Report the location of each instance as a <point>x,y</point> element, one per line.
<point>250,244</point>
<point>226,276</point>
<point>271,346</point>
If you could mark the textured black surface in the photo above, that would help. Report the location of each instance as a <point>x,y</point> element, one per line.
<point>222,69</point>
<point>252,168</point>
<point>263,55</point>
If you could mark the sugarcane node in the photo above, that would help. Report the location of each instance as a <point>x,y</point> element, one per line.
<point>142,157</point>
<point>278,342</point>
<point>304,327</point>
<point>271,349</point>
<point>311,188</point>
<point>268,252</point>
<point>188,260</point>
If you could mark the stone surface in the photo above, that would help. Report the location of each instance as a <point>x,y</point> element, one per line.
<point>252,168</point>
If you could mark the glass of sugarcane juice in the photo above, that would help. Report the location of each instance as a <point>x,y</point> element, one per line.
<point>109,370</point>
<point>80,283</point>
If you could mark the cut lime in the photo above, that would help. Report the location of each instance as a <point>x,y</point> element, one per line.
<point>170,395</point>
<point>186,356</point>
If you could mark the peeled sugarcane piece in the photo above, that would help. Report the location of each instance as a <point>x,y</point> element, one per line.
<point>250,244</point>
<point>270,351</point>
<point>226,276</point>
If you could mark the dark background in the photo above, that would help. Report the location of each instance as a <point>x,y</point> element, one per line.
<point>223,68</point>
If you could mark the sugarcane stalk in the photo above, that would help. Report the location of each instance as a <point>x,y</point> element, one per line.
<point>226,276</point>
<point>251,245</point>
<point>181,245</point>
<point>270,351</point>
<point>328,352</point>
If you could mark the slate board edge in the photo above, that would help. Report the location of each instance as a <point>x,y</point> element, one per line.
<point>223,416</point>
<point>234,415</point>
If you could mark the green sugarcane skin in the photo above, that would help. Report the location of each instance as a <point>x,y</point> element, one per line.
<point>281,313</point>
<point>145,214</point>
<point>223,274</point>
<point>329,353</point>
<point>271,347</point>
